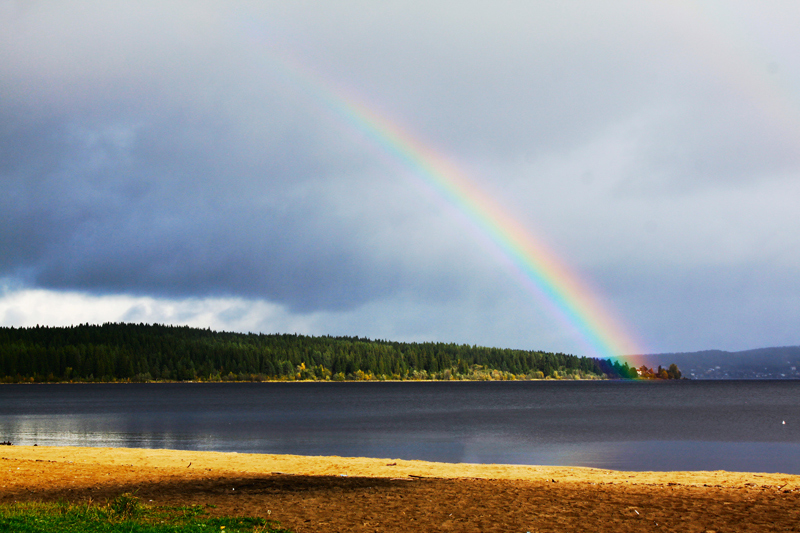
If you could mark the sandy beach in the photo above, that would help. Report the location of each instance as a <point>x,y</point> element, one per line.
<point>390,495</point>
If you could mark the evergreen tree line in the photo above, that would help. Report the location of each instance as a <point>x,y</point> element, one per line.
<point>143,352</point>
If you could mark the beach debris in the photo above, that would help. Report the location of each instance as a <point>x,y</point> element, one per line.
<point>391,464</point>
<point>190,464</point>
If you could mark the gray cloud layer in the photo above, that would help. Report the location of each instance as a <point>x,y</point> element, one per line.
<point>168,150</point>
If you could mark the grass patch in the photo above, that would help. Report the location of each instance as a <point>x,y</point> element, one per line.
<point>124,514</point>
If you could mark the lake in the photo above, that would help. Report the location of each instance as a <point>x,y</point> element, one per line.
<point>625,425</point>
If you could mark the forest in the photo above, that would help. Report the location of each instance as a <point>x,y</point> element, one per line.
<point>120,352</point>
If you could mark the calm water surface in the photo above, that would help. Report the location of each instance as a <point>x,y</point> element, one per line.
<point>687,425</point>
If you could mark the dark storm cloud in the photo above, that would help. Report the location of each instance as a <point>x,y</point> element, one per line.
<point>182,203</point>
<point>154,209</point>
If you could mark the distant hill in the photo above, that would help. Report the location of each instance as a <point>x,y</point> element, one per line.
<point>762,363</point>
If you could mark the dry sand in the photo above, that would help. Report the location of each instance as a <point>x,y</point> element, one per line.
<point>355,494</point>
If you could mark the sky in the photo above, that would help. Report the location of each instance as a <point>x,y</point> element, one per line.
<point>357,168</point>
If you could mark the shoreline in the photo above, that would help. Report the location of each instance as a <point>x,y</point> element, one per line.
<point>547,379</point>
<point>350,494</point>
<point>389,468</point>
<point>124,382</point>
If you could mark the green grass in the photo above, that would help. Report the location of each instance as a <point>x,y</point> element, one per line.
<point>124,514</point>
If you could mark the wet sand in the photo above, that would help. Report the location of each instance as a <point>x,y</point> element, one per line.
<point>390,495</point>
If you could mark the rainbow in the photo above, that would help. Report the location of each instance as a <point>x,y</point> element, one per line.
<point>536,267</point>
